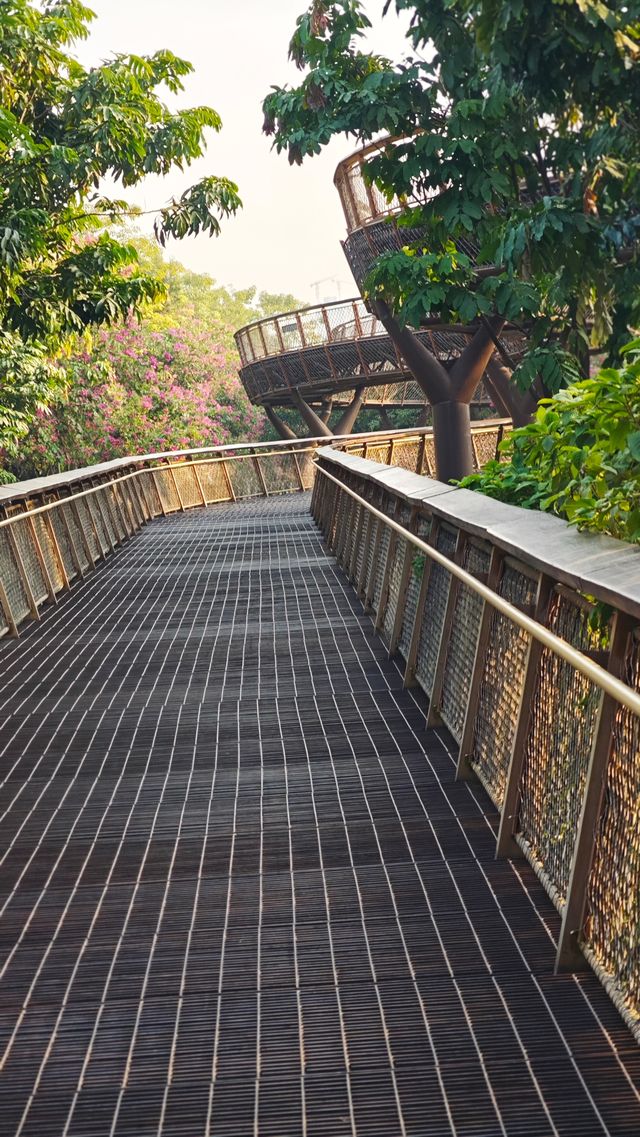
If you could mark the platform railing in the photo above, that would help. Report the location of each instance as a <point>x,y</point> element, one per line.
<point>525,636</point>
<point>54,530</point>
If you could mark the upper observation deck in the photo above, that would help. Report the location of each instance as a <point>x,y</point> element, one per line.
<point>332,348</point>
<point>243,893</point>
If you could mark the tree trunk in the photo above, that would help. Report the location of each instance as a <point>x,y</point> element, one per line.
<point>452,440</point>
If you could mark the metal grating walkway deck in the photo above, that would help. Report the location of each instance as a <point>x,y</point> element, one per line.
<point>242,895</point>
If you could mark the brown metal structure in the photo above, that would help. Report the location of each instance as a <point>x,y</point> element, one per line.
<point>242,893</point>
<point>490,607</point>
<point>331,348</point>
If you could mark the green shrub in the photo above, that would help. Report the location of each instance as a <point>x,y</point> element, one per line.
<point>580,457</point>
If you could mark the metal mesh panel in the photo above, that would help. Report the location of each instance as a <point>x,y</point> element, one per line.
<point>558,749</point>
<point>188,485</point>
<point>379,453</point>
<point>99,522</point>
<point>113,507</point>
<point>84,515</point>
<point>499,701</point>
<point>413,589</point>
<point>461,647</point>
<point>375,525</point>
<point>64,544</point>
<point>361,545</point>
<point>612,932</point>
<point>213,481</point>
<point>395,576</point>
<point>26,545</point>
<point>166,489</point>
<point>48,552</point>
<point>429,460</point>
<point>108,513</point>
<point>434,610</point>
<point>383,549</point>
<point>485,444</point>
<point>148,487</point>
<point>406,454</point>
<point>11,580</point>
<point>280,473</point>
<point>244,477</point>
<point>76,535</point>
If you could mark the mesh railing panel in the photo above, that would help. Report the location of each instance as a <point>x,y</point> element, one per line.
<point>187,483</point>
<point>429,459</point>
<point>48,552</point>
<point>378,453</point>
<point>76,535</point>
<point>485,446</point>
<point>99,522</point>
<point>85,519</point>
<point>213,481</point>
<point>280,474</point>
<point>26,545</point>
<point>461,648</point>
<point>13,586</point>
<point>406,454</point>
<point>167,489</point>
<point>499,701</point>
<point>383,549</point>
<point>244,477</point>
<point>558,748</point>
<point>413,589</point>
<point>150,491</point>
<point>375,525</point>
<point>612,933</point>
<point>395,580</point>
<point>64,543</point>
<point>434,611</point>
<point>109,513</point>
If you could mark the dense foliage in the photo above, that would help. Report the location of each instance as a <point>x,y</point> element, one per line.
<point>65,129</point>
<point>522,134</point>
<point>580,458</point>
<point>141,390</point>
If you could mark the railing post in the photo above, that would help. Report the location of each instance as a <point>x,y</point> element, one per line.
<point>72,544</point>
<point>44,568</point>
<point>357,538</point>
<point>26,583</point>
<point>371,582</point>
<point>506,845</point>
<point>228,482</point>
<point>198,482</point>
<point>569,955</point>
<point>158,491</point>
<point>464,771</point>
<point>56,549</point>
<point>175,485</point>
<point>103,509</point>
<point>85,544</point>
<point>260,473</point>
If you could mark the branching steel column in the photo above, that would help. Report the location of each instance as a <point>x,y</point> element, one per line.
<point>282,428</point>
<point>313,421</point>
<point>348,420</point>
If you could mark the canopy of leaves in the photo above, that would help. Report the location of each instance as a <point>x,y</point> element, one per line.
<point>63,130</point>
<point>580,458</point>
<point>518,153</point>
<point>167,382</point>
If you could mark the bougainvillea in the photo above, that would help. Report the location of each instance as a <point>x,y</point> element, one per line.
<point>141,388</point>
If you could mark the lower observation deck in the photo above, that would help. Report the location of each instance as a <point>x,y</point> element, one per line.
<point>242,893</point>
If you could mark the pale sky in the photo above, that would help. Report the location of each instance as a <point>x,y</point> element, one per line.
<point>288,234</point>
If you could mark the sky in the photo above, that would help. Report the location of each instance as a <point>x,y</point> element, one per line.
<point>287,238</point>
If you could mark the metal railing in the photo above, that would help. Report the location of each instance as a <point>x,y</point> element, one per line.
<point>336,346</point>
<point>54,530</point>
<point>525,636</point>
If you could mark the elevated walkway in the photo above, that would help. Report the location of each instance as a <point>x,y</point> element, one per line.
<point>243,894</point>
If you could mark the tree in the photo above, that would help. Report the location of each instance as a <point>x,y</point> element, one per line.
<point>580,457</point>
<point>63,130</point>
<point>517,155</point>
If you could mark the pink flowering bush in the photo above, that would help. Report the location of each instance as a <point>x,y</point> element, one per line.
<point>138,389</point>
